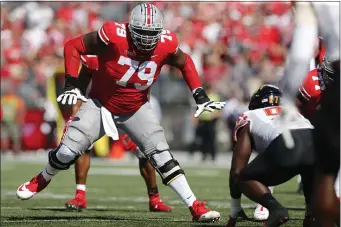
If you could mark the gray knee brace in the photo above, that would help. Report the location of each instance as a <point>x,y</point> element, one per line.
<point>62,157</point>
<point>167,167</point>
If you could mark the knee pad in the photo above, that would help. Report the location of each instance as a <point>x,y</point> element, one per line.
<point>167,167</point>
<point>62,157</point>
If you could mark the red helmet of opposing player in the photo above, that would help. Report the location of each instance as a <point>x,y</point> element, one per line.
<point>145,25</point>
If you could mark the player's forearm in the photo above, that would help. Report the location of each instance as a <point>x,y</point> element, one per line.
<point>84,79</point>
<point>235,193</point>
<point>302,49</point>
<point>190,74</point>
<point>76,107</point>
<point>73,50</point>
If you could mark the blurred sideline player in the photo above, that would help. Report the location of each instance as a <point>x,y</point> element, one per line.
<point>130,56</point>
<point>259,129</point>
<point>311,19</point>
<point>314,63</point>
<point>82,165</point>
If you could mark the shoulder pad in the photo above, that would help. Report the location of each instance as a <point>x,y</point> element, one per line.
<point>240,123</point>
<point>111,32</point>
<point>170,41</point>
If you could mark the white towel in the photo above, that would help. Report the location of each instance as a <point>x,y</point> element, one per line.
<point>109,124</point>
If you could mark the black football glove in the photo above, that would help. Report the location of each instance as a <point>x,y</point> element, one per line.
<point>204,103</point>
<point>71,93</point>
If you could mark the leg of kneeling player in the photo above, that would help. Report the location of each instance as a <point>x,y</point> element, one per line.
<point>84,130</point>
<point>261,213</point>
<point>82,167</point>
<point>274,166</point>
<point>148,173</point>
<point>144,128</point>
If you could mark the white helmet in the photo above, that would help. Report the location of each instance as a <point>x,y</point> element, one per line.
<point>145,25</point>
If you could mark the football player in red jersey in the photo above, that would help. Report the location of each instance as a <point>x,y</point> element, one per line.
<point>309,99</point>
<point>82,165</point>
<point>311,19</point>
<point>130,56</point>
<point>312,88</point>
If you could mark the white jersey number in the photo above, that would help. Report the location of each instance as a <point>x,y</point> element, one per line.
<point>165,35</point>
<point>142,72</point>
<point>121,30</point>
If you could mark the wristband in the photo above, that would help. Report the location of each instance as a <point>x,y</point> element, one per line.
<point>200,96</point>
<point>70,83</point>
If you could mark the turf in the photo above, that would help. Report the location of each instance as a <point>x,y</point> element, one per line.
<point>117,197</point>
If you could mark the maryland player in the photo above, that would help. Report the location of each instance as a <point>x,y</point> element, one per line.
<point>82,165</point>
<point>260,129</point>
<point>130,57</point>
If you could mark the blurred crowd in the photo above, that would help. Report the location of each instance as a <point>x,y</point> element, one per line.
<point>235,46</point>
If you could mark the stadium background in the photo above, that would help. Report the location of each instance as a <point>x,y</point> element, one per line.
<point>236,46</point>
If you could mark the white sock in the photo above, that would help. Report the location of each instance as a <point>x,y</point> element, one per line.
<point>181,187</point>
<point>271,189</point>
<point>299,178</point>
<point>49,172</point>
<point>337,185</point>
<point>81,187</point>
<point>235,207</point>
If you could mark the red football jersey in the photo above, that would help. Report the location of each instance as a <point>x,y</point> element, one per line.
<point>90,61</point>
<point>311,90</point>
<point>123,78</point>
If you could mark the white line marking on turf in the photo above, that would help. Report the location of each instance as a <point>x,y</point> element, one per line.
<point>136,172</point>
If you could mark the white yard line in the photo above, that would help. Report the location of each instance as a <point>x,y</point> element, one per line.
<point>135,172</point>
<point>40,157</point>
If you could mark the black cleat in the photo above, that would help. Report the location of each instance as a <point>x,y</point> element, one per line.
<point>277,217</point>
<point>308,221</point>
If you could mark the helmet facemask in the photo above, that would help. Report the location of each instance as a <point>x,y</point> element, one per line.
<point>145,39</point>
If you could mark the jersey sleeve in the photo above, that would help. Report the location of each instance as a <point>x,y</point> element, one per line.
<point>241,122</point>
<point>310,88</point>
<point>90,61</point>
<point>110,31</point>
<point>170,40</point>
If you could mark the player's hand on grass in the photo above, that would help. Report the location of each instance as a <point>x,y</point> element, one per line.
<point>204,103</point>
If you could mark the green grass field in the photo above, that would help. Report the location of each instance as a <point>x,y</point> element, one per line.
<point>117,197</point>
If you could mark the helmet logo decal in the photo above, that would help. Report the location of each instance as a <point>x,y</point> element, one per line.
<point>148,13</point>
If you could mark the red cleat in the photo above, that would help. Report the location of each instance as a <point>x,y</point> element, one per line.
<point>30,188</point>
<point>156,204</point>
<point>201,214</point>
<point>78,203</point>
